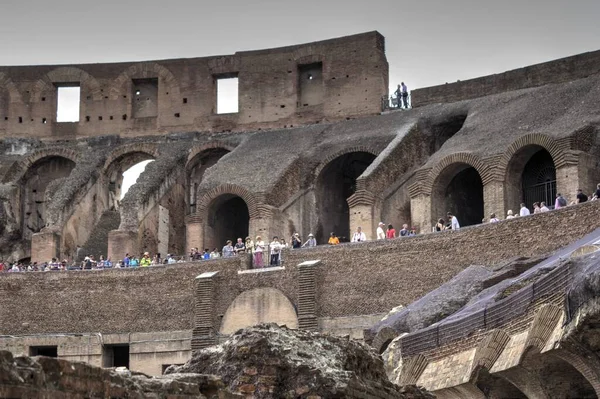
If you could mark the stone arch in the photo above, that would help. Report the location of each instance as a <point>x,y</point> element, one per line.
<point>335,182</point>
<point>88,83</point>
<point>200,158</point>
<point>12,89</point>
<point>526,153</point>
<point>199,149</point>
<point>332,156</point>
<point>383,338</point>
<point>148,148</point>
<point>541,329</point>
<point>209,196</point>
<point>20,168</point>
<point>456,185</point>
<point>145,70</point>
<point>228,219</point>
<point>259,305</point>
<point>412,368</point>
<point>488,351</point>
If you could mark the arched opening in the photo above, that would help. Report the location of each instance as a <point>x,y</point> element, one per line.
<point>530,177</point>
<point>35,182</point>
<point>496,387</point>
<point>335,184</point>
<point>228,219</point>
<point>123,173</point>
<point>196,168</point>
<point>259,305</point>
<point>459,190</point>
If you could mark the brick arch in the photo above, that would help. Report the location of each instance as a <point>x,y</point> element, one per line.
<point>147,148</point>
<point>19,169</point>
<point>10,86</point>
<point>455,159</point>
<point>540,331</point>
<point>488,351</point>
<point>66,75</point>
<point>383,337</point>
<point>558,150</point>
<point>144,70</point>
<point>194,151</point>
<point>332,156</point>
<point>208,197</point>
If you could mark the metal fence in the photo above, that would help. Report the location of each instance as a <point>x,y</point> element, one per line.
<point>492,316</point>
<point>391,102</point>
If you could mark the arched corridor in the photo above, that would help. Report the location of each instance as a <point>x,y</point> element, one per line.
<point>458,189</point>
<point>335,184</point>
<point>530,177</point>
<point>35,182</point>
<point>118,171</point>
<point>228,219</point>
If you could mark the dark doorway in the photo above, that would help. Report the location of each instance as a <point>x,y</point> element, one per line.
<point>539,179</point>
<point>115,355</point>
<point>335,184</point>
<point>48,351</point>
<point>463,196</point>
<point>229,219</point>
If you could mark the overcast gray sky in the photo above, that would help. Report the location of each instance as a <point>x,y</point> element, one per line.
<point>428,41</point>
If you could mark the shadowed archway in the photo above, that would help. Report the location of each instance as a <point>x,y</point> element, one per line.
<point>228,219</point>
<point>530,177</point>
<point>335,184</point>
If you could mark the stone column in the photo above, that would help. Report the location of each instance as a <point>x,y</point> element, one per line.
<point>307,296</point>
<point>45,246</point>
<point>581,172</point>
<point>363,213</point>
<point>194,232</point>
<point>420,212</point>
<point>493,200</point>
<point>204,333</point>
<point>121,242</point>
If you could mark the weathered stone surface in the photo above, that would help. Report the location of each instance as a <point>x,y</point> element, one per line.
<point>268,361</point>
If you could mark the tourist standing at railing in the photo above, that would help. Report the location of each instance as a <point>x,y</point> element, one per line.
<point>441,225</point>
<point>259,248</point>
<point>296,241</point>
<point>359,235</point>
<point>228,250</point>
<point>249,245</point>
<point>581,197</point>
<point>145,261</point>
<point>543,207</point>
<point>454,225</point>
<point>493,218</point>
<point>380,232</point>
<point>398,94</point>
<point>404,94</point>
<point>560,201</point>
<point>333,240</point>
<point>524,211</point>
<point>275,248</point>
<point>597,193</point>
<point>239,247</point>
<point>311,242</point>
<point>391,232</point>
<point>509,214</point>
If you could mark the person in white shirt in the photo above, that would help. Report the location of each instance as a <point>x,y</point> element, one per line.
<point>509,214</point>
<point>493,218</point>
<point>380,232</point>
<point>275,247</point>
<point>543,207</point>
<point>359,236</point>
<point>454,225</point>
<point>311,242</point>
<point>524,210</point>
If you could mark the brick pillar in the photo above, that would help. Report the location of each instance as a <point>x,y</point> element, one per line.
<point>493,200</point>
<point>307,296</point>
<point>363,213</point>
<point>45,246</point>
<point>121,242</point>
<point>581,172</point>
<point>420,212</point>
<point>194,232</point>
<point>204,332</point>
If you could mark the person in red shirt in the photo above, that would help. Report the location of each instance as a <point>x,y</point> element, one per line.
<point>391,233</point>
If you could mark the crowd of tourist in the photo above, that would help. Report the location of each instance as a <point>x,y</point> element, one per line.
<point>264,254</point>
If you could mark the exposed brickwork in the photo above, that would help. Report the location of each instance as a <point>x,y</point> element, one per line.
<point>204,333</point>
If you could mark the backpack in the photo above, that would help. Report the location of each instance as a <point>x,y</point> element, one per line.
<point>562,201</point>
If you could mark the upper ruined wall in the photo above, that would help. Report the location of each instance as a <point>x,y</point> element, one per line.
<point>296,85</point>
<point>556,71</point>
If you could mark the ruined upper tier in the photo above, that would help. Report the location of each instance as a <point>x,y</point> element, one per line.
<point>309,83</point>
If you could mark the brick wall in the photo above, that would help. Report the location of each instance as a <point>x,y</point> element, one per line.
<point>351,280</point>
<point>556,71</point>
<point>183,92</point>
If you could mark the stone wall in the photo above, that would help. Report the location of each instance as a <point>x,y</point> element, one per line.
<point>556,71</point>
<point>351,280</point>
<point>327,80</point>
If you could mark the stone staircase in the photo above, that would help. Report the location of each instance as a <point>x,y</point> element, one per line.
<point>97,243</point>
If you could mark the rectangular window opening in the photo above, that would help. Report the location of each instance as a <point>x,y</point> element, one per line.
<point>67,104</point>
<point>144,98</point>
<point>310,84</point>
<point>227,94</point>
<point>48,351</point>
<point>115,355</point>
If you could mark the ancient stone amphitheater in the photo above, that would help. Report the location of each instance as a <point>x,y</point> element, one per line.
<point>496,310</point>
